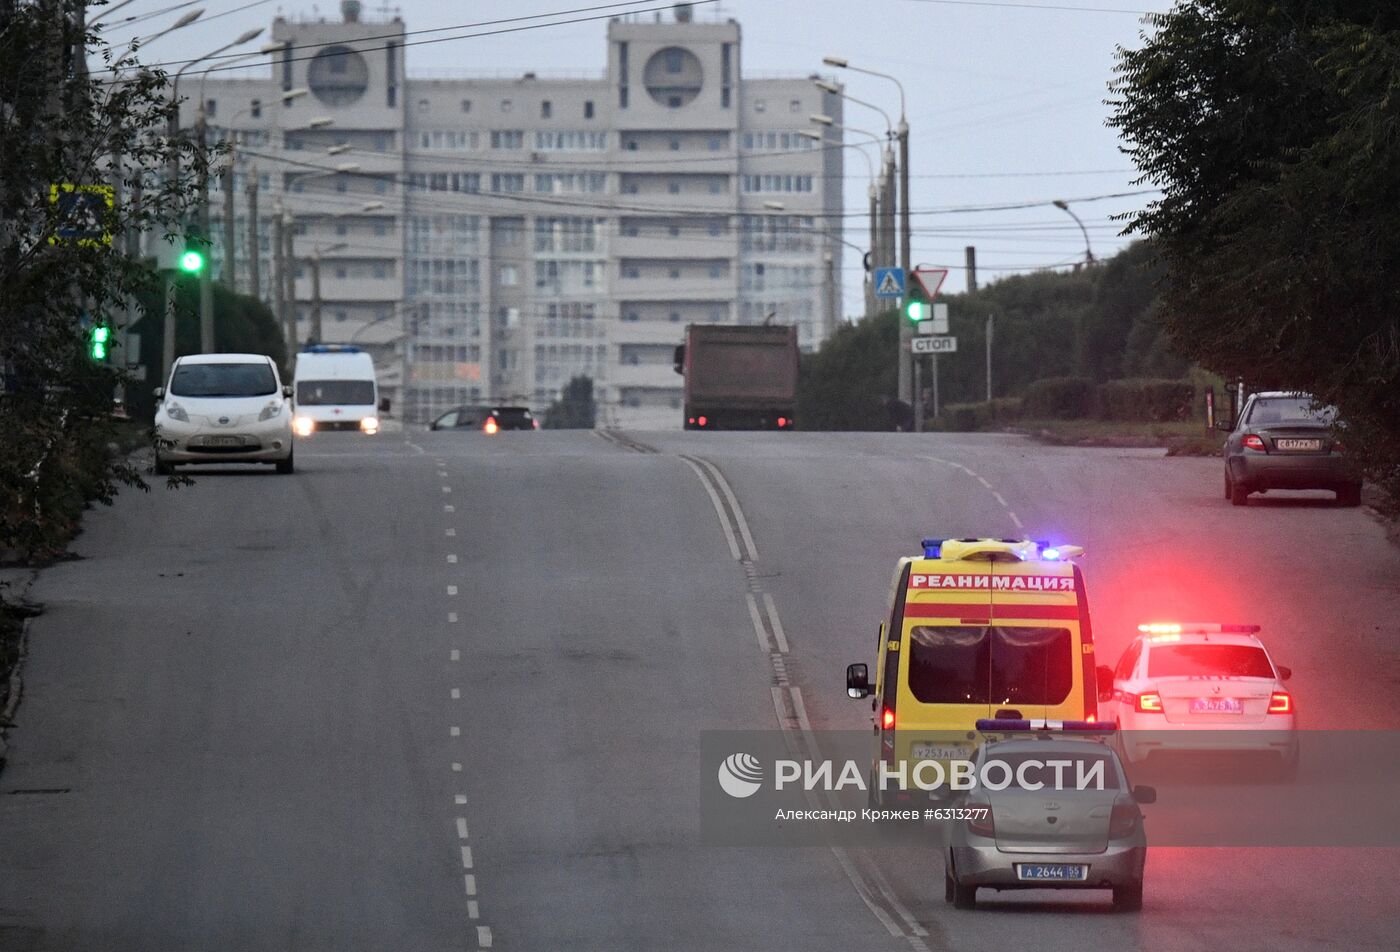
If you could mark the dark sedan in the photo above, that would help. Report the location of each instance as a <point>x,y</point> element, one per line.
<point>487,419</point>
<point>1285,441</point>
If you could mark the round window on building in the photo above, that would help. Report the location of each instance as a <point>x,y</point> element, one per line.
<point>338,75</point>
<point>673,76</point>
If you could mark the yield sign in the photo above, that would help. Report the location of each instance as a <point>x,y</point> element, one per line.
<point>931,278</point>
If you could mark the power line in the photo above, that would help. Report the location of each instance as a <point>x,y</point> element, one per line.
<point>1056,8</point>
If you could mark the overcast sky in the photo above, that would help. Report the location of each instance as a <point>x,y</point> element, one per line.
<point>1005,98</point>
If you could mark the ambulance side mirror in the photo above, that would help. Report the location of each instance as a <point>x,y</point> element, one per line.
<point>286,390</point>
<point>857,681</point>
<point>1105,678</point>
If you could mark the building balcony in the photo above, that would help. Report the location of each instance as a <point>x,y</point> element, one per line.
<point>660,376</point>
<point>686,245</point>
<point>674,289</point>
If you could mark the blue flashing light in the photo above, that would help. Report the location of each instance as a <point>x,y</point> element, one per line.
<point>932,547</point>
<point>1050,554</point>
<point>330,349</point>
<point>1003,725</point>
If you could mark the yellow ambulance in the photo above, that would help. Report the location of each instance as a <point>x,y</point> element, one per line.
<point>977,628</point>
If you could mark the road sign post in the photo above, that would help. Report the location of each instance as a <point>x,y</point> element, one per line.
<point>929,317</point>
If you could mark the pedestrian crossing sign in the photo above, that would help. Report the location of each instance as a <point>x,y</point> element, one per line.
<point>889,282</point>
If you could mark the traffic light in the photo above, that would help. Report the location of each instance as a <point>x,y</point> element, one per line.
<point>192,258</point>
<point>917,305</point>
<point>101,333</point>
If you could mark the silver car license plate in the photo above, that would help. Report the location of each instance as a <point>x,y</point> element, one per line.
<point>1298,444</point>
<point>1052,872</point>
<point>1216,705</point>
<point>223,441</point>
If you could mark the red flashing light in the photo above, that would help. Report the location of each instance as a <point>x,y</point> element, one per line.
<point>1280,702</point>
<point>1252,442</point>
<point>887,719</point>
<point>1148,702</point>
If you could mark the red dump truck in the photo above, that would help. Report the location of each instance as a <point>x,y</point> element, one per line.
<point>739,377</point>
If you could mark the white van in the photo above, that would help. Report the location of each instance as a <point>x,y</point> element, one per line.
<point>334,388</point>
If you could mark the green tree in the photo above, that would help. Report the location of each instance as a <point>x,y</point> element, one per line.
<point>575,409</point>
<point>1270,127</point>
<point>61,127</point>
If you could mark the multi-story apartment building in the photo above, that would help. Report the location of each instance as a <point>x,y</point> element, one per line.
<point>488,238</point>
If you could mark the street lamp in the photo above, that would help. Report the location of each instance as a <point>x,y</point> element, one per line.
<point>1063,206</point>
<point>906,385</point>
<point>836,90</point>
<point>873,193</point>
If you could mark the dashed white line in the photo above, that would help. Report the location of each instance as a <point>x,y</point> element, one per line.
<point>448,507</point>
<point>461,828</point>
<point>456,768</point>
<point>452,560</point>
<point>1000,498</point>
<point>983,481</point>
<point>451,533</point>
<point>483,936</point>
<point>452,617</point>
<point>469,880</point>
<point>473,910</point>
<point>466,857</point>
<point>459,798</point>
<point>1016,519</point>
<point>778,635</point>
<point>455,655</point>
<point>456,693</point>
<point>455,731</point>
<point>447,489</point>
<point>452,590</point>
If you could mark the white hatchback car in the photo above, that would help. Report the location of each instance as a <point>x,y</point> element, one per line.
<point>1198,688</point>
<point>223,408</point>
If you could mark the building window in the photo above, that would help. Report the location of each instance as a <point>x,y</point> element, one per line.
<point>507,105</point>
<point>673,187</point>
<point>675,145</point>
<point>422,105</point>
<point>466,105</point>
<point>255,107</point>
<point>341,185</point>
<point>675,231</point>
<point>631,231</point>
<point>507,139</point>
<point>760,106</point>
<point>211,108</point>
<point>588,109</point>
<point>630,145</point>
<point>380,228</point>
<point>507,182</point>
<point>341,273</point>
<point>546,109</point>
<point>380,271</point>
<point>714,229</point>
<point>675,274</point>
<point>716,186</point>
<point>631,271</point>
<point>340,317</point>
<point>714,143</point>
<point>631,316</point>
<point>795,106</point>
<point>342,230</point>
<point>675,317</point>
<point>675,60</point>
<point>509,276</point>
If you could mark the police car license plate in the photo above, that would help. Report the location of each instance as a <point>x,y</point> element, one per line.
<point>1217,705</point>
<point>1298,444</point>
<point>1052,872</point>
<point>938,752</point>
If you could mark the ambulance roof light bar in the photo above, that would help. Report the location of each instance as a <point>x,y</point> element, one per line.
<point>1020,549</point>
<point>1195,628</point>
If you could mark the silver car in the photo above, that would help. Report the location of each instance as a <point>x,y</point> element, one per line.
<point>1075,826</point>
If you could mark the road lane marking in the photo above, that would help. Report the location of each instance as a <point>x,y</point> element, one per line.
<point>447,489</point>
<point>455,732</point>
<point>442,474</point>
<point>466,857</point>
<point>719,509</point>
<point>448,507</point>
<point>455,655</point>
<point>456,768</point>
<point>469,881</point>
<point>452,617</point>
<point>456,693</point>
<point>734,507</point>
<point>451,532</point>
<point>1001,500</point>
<point>461,828</point>
<point>473,910</point>
<point>459,798</point>
<point>452,590</point>
<point>757,623</point>
<point>483,936</point>
<point>452,560</point>
<point>778,635</point>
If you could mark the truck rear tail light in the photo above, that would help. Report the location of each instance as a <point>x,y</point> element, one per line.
<point>703,421</point>
<point>1253,442</point>
<point>1281,702</point>
<point>1148,702</point>
<point>782,422</point>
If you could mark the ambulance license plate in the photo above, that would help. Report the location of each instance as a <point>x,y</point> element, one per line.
<point>1051,872</point>
<point>938,752</point>
<point>1217,705</point>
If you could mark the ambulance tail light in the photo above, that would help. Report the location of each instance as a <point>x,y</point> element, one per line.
<point>1281,702</point>
<point>1253,442</point>
<point>979,818</point>
<point>1148,702</point>
<point>887,719</point>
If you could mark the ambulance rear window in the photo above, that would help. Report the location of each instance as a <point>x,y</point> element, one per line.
<point>996,665</point>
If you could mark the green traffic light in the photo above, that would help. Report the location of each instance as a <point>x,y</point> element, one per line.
<point>100,335</point>
<point>917,311</point>
<point>192,261</point>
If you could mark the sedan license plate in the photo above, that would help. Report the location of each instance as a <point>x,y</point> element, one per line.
<point>938,752</point>
<point>1313,445</point>
<point>223,441</point>
<point>1052,872</point>
<point>1217,705</point>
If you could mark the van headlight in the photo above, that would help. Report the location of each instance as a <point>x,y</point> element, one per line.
<point>177,412</point>
<point>369,424</point>
<point>270,411</point>
<point>303,425</point>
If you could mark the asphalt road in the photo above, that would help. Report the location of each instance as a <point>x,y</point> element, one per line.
<point>445,692</point>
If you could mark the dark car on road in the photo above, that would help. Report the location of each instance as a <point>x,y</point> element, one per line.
<point>1286,441</point>
<point>486,419</point>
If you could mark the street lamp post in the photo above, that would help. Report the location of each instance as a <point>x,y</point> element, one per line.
<point>868,256</point>
<point>1063,206</point>
<point>906,331</point>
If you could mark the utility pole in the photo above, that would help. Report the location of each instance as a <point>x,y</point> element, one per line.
<point>970,256</point>
<point>832,306</point>
<point>990,322</point>
<point>206,288</point>
<point>230,232</point>
<point>289,275</point>
<point>279,270</point>
<point>870,299</point>
<point>906,329</point>
<point>254,243</point>
<point>315,337</point>
<point>167,353</point>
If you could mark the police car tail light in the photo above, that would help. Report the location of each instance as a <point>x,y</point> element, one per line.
<point>887,719</point>
<point>1148,702</point>
<point>491,425</point>
<point>1252,442</point>
<point>979,819</point>
<point>1123,820</point>
<point>1281,702</point>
